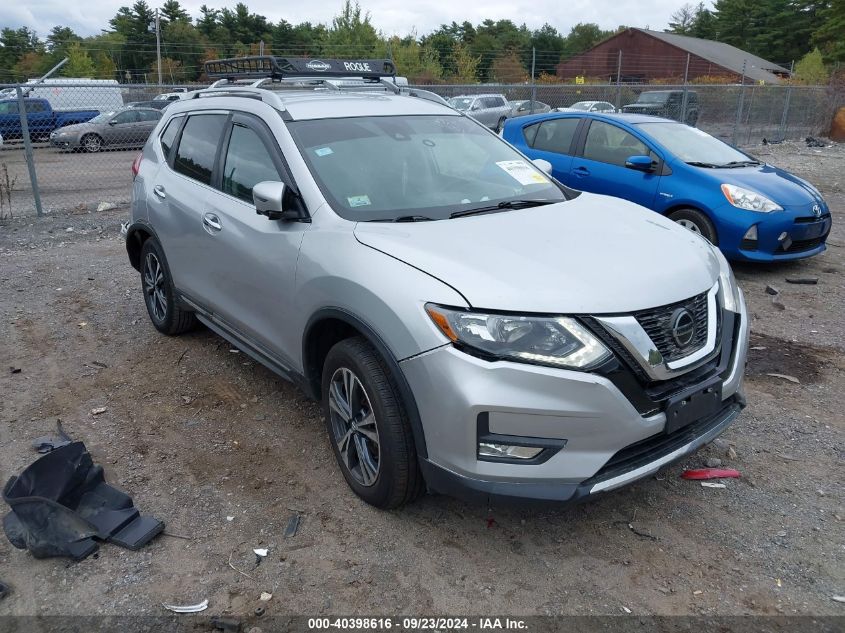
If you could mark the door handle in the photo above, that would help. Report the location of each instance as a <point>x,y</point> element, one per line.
<point>159,191</point>
<point>211,223</point>
<point>581,172</point>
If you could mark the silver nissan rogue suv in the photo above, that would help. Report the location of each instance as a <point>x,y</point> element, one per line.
<point>469,324</point>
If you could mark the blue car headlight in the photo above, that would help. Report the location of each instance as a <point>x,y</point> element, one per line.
<point>743,198</point>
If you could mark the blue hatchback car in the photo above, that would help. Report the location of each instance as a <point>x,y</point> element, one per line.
<point>751,210</point>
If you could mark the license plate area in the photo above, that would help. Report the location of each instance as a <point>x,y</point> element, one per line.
<point>687,408</point>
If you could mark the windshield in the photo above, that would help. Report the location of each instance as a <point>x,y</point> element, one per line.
<point>581,105</point>
<point>103,117</point>
<point>383,168</point>
<point>652,97</point>
<point>461,103</point>
<point>692,145</point>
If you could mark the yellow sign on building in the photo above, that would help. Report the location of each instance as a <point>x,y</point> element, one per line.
<point>579,79</point>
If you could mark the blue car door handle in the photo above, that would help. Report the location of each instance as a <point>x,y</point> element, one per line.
<point>581,171</point>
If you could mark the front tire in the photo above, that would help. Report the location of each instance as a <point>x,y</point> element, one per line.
<point>167,315</point>
<point>695,221</point>
<point>91,143</point>
<point>368,426</point>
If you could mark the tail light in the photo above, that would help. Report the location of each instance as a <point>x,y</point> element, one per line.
<point>136,164</point>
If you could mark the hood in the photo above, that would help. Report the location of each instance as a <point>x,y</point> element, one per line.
<point>76,127</point>
<point>644,106</point>
<point>591,255</point>
<point>776,184</point>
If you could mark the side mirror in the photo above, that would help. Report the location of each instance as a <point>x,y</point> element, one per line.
<point>475,106</point>
<point>544,166</point>
<point>269,199</point>
<point>113,122</point>
<point>641,163</point>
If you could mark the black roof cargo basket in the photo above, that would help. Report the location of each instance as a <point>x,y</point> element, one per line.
<point>264,66</point>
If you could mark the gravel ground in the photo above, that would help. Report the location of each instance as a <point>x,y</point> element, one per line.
<point>226,453</point>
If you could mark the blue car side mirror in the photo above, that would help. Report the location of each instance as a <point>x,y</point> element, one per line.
<point>641,163</point>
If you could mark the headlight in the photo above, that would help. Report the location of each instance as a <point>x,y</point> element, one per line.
<point>727,282</point>
<point>554,341</point>
<point>749,200</point>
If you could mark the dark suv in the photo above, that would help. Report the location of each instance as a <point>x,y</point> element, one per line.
<point>666,103</point>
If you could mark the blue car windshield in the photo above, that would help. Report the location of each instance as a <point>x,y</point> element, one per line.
<point>692,145</point>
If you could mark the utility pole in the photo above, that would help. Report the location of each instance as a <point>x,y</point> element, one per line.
<point>158,46</point>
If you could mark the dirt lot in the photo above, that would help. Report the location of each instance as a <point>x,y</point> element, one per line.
<point>198,434</point>
<point>67,179</point>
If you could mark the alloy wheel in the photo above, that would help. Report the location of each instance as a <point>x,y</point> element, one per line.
<point>92,143</point>
<point>154,286</point>
<point>689,225</point>
<point>353,424</point>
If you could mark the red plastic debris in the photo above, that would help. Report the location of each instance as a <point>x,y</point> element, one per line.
<point>710,473</point>
<point>491,522</point>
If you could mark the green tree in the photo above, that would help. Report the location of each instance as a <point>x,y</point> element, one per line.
<point>172,11</point>
<point>549,45</point>
<point>14,44</point>
<point>509,69</point>
<point>136,25</point>
<point>465,69</point>
<point>79,62</point>
<point>352,34</point>
<point>811,69</point>
<point>703,23</point>
<point>584,36</point>
<point>829,35</point>
<point>420,64</point>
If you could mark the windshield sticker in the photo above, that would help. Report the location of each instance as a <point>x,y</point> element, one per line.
<point>358,201</point>
<point>323,151</point>
<point>522,172</point>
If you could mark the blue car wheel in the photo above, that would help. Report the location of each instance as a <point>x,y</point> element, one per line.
<point>697,222</point>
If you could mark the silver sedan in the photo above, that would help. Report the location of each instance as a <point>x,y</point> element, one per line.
<point>127,127</point>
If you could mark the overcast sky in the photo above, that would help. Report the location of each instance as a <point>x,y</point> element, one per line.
<point>88,17</point>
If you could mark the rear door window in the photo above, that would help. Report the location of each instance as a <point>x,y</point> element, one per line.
<point>169,135</point>
<point>246,164</point>
<point>198,146</point>
<point>556,135</point>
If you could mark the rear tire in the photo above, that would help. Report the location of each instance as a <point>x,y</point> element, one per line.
<point>166,313</point>
<point>697,222</point>
<point>91,143</point>
<point>368,426</point>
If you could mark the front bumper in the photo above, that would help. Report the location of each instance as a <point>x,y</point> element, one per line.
<point>806,233</point>
<point>64,142</point>
<point>607,440</point>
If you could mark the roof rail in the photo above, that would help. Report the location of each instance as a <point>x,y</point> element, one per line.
<point>269,66</point>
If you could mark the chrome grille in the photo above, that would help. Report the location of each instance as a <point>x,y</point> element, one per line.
<point>657,323</point>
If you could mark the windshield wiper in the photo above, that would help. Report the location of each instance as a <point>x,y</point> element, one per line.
<point>697,163</point>
<point>730,165</point>
<point>741,163</point>
<point>507,204</point>
<point>404,218</point>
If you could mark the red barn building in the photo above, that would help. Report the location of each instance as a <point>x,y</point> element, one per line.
<point>655,55</point>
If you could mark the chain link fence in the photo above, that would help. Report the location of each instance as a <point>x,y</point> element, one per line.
<point>70,147</point>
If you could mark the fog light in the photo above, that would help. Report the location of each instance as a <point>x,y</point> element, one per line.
<point>508,451</point>
<point>749,240</point>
